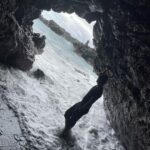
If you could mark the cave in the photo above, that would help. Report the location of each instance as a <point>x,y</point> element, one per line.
<point>121,38</point>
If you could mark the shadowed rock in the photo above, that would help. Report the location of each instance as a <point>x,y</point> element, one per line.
<point>121,37</point>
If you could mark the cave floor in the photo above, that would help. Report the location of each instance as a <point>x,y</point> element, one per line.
<point>11,137</point>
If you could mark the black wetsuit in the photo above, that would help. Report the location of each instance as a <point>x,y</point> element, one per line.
<point>73,114</point>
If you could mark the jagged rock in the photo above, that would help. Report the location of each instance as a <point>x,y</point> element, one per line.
<point>39,42</point>
<point>39,74</point>
<point>17,47</point>
<point>121,37</point>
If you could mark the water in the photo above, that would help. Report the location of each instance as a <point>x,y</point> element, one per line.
<point>63,48</point>
<point>78,27</point>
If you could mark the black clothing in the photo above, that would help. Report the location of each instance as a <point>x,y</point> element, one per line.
<point>73,114</point>
<point>102,79</point>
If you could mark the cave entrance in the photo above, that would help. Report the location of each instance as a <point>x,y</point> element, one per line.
<point>78,27</point>
<point>68,34</point>
<point>68,79</point>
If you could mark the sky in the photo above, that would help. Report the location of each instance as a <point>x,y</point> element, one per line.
<point>78,27</point>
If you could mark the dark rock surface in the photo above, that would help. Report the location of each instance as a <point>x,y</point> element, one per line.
<point>16,45</point>
<point>122,40</point>
<point>38,74</point>
<point>89,54</point>
<point>121,36</point>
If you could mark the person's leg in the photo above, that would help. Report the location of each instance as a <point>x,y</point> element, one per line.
<point>70,123</point>
<point>73,114</point>
<point>75,117</point>
<point>70,116</point>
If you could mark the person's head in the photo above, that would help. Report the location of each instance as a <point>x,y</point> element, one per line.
<point>103,76</point>
<point>102,79</point>
<point>108,72</point>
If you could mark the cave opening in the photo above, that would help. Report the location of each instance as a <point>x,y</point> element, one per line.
<point>83,30</point>
<point>72,28</point>
<point>55,26</point>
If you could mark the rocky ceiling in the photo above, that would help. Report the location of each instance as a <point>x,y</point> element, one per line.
<point>122,40</point>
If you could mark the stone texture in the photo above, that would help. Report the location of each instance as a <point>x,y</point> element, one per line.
<point>122,40</point>
<point>16,45</point>
<point>121,36</point>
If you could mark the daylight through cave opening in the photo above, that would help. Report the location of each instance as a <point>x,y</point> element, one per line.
<point>71,27</point>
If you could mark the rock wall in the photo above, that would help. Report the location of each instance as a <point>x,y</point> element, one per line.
<point>18,44</point>
<point>122,37</point>
<point>122,40</point>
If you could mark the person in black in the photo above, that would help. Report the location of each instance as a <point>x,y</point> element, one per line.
<point>73,114</point>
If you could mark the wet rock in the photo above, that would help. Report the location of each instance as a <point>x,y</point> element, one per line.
<point>89,54</point>
<point>105,140</point>
<point>17,46</point>
<point>39,74</point>
<point>119,45</point>
<point>39,42</point>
